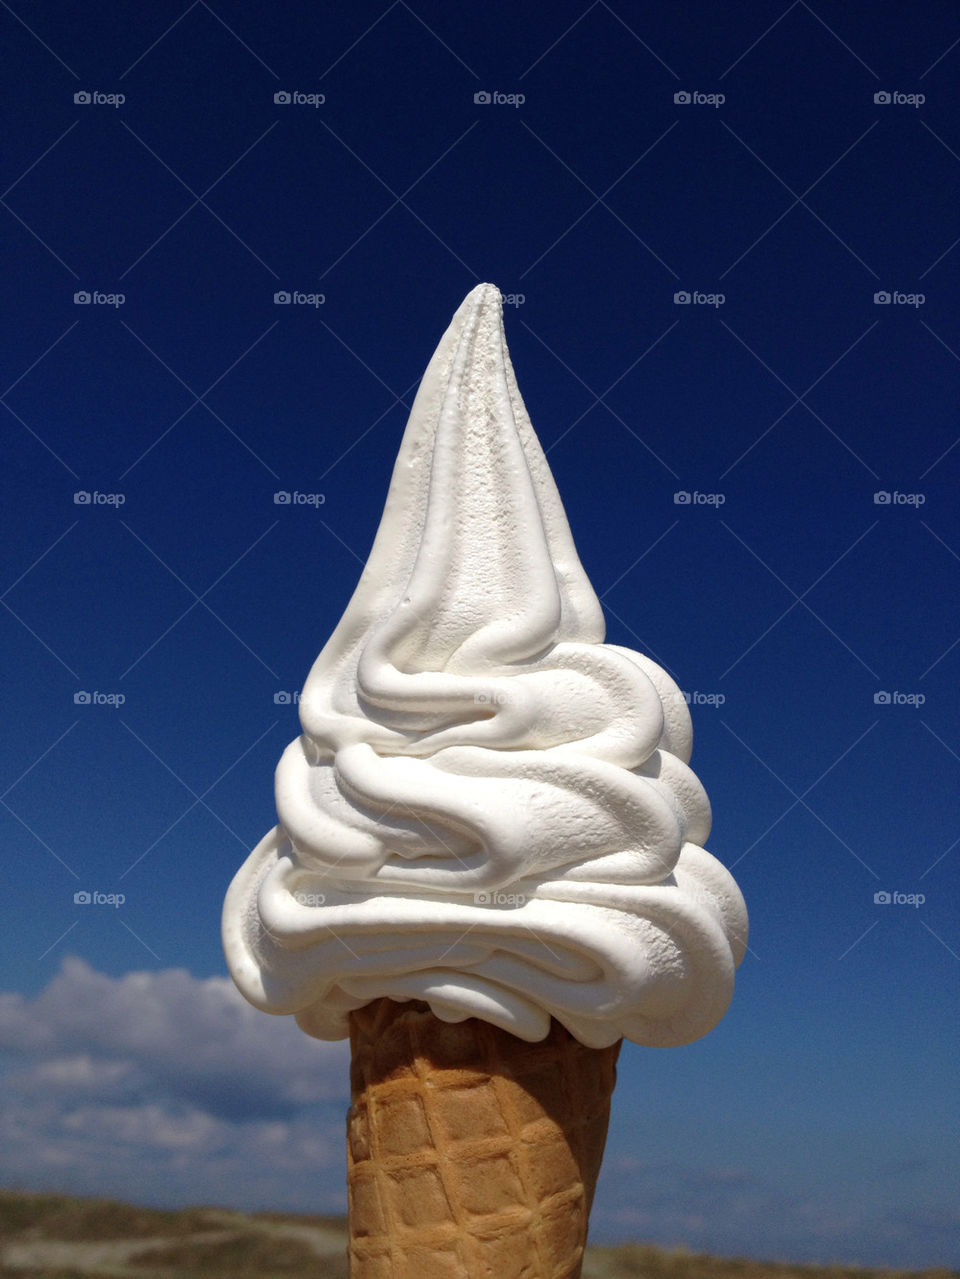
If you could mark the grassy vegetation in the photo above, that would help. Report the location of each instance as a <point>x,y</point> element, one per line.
<point>57,1237</point>
<point>260,1255</point>
<point>61,1217</point>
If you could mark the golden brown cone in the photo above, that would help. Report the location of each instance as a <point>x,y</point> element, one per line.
<point>471,1154</point>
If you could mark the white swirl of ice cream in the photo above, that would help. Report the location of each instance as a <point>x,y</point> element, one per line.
<point>489,808</point>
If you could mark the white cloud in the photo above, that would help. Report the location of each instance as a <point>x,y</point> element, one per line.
<point>163,1086</point>
<point>79,1074</point>
<point>194,1040</point>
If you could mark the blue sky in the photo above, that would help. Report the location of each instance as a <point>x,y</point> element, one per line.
<point>814,626</point>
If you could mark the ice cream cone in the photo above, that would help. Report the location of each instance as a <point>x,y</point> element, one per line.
<point>470,1152</point>
<point>488,809</point>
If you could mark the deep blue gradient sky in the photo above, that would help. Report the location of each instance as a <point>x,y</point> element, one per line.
<point>818,1120</point>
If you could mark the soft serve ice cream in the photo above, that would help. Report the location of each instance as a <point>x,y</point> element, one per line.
<point>488,809</point>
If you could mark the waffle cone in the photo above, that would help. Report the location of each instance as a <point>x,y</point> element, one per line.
<point>470,1153</point>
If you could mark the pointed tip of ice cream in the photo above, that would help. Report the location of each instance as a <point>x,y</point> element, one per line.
<point>473,537</point>
<point>484,292</point>
<point>484,298</point>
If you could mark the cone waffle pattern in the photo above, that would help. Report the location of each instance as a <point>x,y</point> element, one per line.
<point>471,1154</point>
